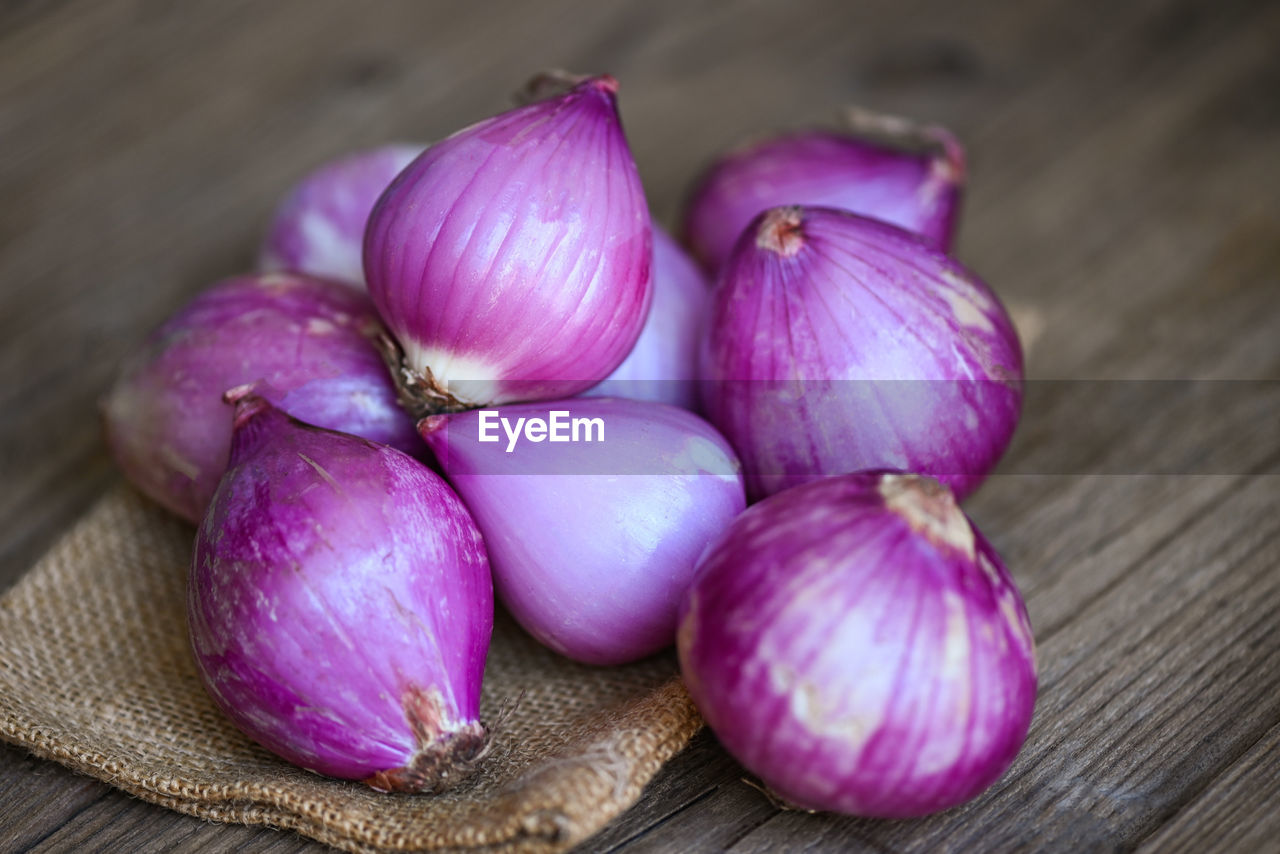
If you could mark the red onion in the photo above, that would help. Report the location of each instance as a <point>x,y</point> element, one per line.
<point>593,541</point>
<point>340,605</point>
<point>840,343</point>
<point>883,167</point>
<point>663,365</point>
<point>859,645</point>
<point>303,338</point>
<point>511,261</point>
<point>319,226</point>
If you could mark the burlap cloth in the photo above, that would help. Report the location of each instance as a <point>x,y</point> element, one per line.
<point>96,673</point>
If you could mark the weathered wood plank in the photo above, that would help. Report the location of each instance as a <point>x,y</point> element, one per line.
<point>1236,812</point>
<point>117,822</point>
<point>31,789</point>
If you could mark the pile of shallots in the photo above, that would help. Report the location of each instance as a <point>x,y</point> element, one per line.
<point>478,366</point>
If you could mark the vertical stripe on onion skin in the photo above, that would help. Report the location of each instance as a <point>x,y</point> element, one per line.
<point>511,260</point>
<point>304,340</point>
<point>837,343</point>
<point>318,227</point>
<point>858,645</point>
<point>340,605</point>
<point>663,364</point>
<point>879,166</point>
<point>593,544</point>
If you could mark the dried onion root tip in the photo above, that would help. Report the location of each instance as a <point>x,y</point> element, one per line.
<point>447,752</point>
<point>444,758</point>
<point>418,394</point>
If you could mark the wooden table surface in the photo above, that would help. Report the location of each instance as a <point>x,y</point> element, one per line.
<point>1124,200</point>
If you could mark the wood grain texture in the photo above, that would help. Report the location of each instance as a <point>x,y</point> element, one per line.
<point>1235,811</point>
<point>1122,192</point>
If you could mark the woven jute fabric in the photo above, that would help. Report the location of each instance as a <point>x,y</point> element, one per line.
<point>96,673</point>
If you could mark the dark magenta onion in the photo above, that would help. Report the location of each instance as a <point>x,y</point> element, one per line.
<point>340,605</point>
<point>859,645</point>
<point>318,228</point>
<point>881,166</point>
<point>838,343</point>
<point>593,543</point>
<point>663,364</point>
<point>303,338</point>
<point>511,261</point>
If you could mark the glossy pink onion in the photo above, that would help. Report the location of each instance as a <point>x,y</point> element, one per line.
<point>511,260</point>
<point>304,339</point>
<point>663,365</point>
<point>882,167</point>
<point>859,645</point>
<point>318,227</point>
<point>838,343</point>
<point>340,605</point>
<point>592,538</point>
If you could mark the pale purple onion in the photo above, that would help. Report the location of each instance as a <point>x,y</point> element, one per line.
<point>593,543</point>
<point>304,339</point>
<point>838,343</point>
<point>511,260</point>
<point>859,645</point>
<point>882,167</point>
<point>318,228</point>
<point>340,605</point>
<point>663,364</point>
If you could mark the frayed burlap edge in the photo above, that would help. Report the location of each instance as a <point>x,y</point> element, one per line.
<point>538,799</point>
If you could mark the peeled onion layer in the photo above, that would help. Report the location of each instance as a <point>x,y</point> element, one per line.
<point>663,364</point>
<point>860,646</point>
<point>318,227</point>
<point>340,605</point>
<point>838,343</point>
<point>305,342</point>
<point>879,166</point>
<point>511,261</point>
<point>592,543</point>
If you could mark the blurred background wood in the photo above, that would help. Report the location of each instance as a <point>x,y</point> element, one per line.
<point>1124,198</point>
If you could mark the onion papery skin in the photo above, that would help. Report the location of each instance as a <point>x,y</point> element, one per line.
<point>340,605</point>
<point>838,343</point>
<point>593,544</point>
<point>859,645</point>
<point>511,261</point>
<point>318,227</point>
<point>303,339</point>
<point>916,190</point>
<point>663,364</point>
